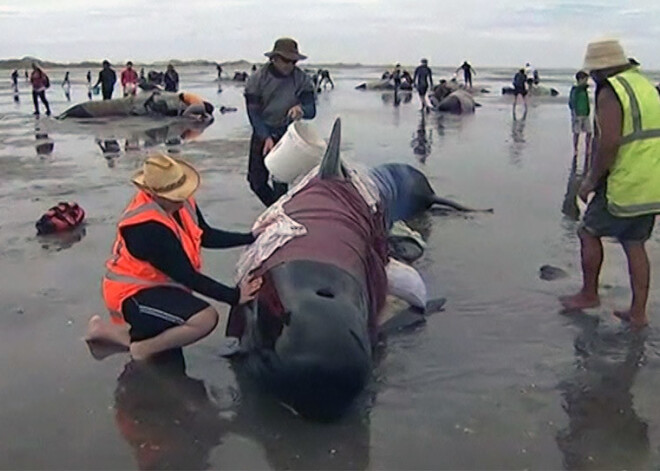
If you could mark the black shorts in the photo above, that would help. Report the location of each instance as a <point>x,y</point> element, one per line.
<point>519,91</point>
<point>422,90</point>
<point>599,222</point>
<point>154,310</point>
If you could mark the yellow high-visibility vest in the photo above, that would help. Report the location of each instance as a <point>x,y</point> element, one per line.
<point>633,184</point>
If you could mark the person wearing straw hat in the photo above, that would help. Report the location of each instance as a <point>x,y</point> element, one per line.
<point>276,95</point>
<point>624,176</point>
<point>156,265</point>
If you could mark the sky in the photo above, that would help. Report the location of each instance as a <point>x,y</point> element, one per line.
<point>547,33</point>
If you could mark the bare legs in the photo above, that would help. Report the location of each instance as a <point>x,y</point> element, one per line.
<point>640,274</point>
<point>592,260</point>
<point>196,328</point>
<point>102,336</point>
<point>591,250</point>
<point>587,148</point>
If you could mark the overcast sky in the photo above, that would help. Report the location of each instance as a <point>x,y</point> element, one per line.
<point>548,33</point>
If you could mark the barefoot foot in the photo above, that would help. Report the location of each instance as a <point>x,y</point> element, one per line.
<point>623,316</point>
<point>579,301</point>
<point>94,328</point>
<point>100,349</point>
<point>104,339</point>
<point>637,321</point>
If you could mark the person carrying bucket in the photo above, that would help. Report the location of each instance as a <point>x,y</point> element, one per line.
<point>276,95</point>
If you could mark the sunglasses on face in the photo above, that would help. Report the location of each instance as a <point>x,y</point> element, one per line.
<point>286,61</point>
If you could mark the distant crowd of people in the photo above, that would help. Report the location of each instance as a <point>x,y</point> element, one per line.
<point>105,84</point>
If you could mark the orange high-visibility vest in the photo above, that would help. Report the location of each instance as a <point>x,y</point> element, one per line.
<point>127,275</point>
<point>191,98</point>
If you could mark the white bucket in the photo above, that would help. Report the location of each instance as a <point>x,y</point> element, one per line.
<point>299,150</point>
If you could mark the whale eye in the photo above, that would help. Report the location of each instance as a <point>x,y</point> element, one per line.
<point>325,293</point>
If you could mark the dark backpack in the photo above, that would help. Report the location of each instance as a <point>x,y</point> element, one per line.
<point>46,80</point>
<point>519,80</point>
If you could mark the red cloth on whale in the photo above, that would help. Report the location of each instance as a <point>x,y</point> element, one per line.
<point>342,231</point>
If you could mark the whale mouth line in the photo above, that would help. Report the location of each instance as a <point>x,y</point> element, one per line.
<point>325,293</point>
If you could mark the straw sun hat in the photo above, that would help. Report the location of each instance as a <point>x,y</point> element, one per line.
<point>604,54</point>
<point>163,176</point>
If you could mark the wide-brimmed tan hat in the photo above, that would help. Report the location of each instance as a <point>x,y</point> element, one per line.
<point>287,48</point>
<point>604,54</point>
<point>163,176</point>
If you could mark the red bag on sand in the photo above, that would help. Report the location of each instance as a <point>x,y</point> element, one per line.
<point>63,217</point>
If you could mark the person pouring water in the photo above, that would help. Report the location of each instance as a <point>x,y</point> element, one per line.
<point>276,95</point>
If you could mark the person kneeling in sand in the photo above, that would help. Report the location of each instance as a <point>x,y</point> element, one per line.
<point>156,265</point>
<point>196,107</point>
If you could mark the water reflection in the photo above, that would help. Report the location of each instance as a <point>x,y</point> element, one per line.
<point>421,142</point>
<point>517,136</point>
<point>44,145</point>
<point>110,149</point>
<point>166,416</point>
<point>291,442</point>
<point>172,422</point>
<point>604,430</point>
<point>62,240</point>
<point>172,135</point>
<point>396,98</point>
<point>569,206</point>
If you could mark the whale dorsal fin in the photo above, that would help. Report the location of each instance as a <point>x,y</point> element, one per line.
<point>331,163</point>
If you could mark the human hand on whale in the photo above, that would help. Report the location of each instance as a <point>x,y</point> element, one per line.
<point>249,287</point>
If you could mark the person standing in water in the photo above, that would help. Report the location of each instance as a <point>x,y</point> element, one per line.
<point>623,176</point>
<point>14,84</point>
<point>89,84</point>
<point>395,76</point>
<point>171,79</point>
<point>40,82</point>
<point>423,80</point>
<point>66,85</point>
<point>468,72</point>
<point>519,88</point>
<point>276,95</point>
<point>156,264</point>
<point>129,79</point>
<point>578,102</point>
<point>107,79</point>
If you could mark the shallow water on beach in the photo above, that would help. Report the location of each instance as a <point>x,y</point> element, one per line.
<point>500,379</point>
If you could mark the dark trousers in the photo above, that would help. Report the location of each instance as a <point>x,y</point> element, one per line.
<point>467,77</point>
<point>258,174</point>
<point>107,93</point>
<point>35,98</point>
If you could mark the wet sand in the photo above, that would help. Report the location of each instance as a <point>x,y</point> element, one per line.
<point>500,379</point>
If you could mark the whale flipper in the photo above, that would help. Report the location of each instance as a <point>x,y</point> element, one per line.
<point>457,206</point>
<point>410,317</point>
<point>331,164</point>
